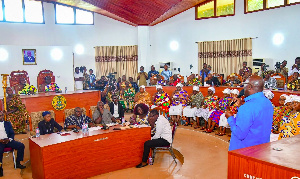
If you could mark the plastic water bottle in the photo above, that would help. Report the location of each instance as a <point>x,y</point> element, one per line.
<point>212,84</point>
<point>285,87</point>
<point>84,130</point>
<point>150,161</point>
<point>123,120</point>
<point>37,132</point>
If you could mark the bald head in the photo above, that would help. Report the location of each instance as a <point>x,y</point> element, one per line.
<point>253,84</point>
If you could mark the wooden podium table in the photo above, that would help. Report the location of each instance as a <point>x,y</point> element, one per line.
<point>263,162</point>
<point>79,156</point>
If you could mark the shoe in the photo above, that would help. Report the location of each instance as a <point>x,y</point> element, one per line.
<point>20,166</point>
<point>1,172</point>
<point>141,165</point>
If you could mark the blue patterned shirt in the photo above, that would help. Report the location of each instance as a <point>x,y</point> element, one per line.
<point>166,74</point>
<point>151,73</point>
<point>73,120</point>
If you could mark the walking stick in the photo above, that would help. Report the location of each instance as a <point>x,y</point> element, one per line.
<point>4,82</point>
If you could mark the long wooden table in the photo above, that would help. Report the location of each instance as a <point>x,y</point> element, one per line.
<point>80,156</point>
<point>263,162</point>
<point>189,89</point>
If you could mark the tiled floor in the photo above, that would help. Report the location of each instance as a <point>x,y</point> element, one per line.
<point>205,156</point>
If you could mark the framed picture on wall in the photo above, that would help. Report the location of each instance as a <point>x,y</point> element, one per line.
<point>29,56</point>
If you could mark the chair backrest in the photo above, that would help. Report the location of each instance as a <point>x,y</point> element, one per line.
<point>41,77</point>
<point>69,112</point>
<point>92,110</point>
<point>220,77</point>
<point>15,77</point>
<point>36,117</point>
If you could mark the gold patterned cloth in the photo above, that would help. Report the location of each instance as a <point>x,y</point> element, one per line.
<point>17,114</point>
<point>294,85</point>
<point>290,128</point>
<point>144,98</point>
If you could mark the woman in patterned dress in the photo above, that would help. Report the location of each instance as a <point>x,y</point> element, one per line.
<point>140,114</point>
<point>162,100</point>
<point>280,112</point>
<point>16,113</point>
<point>292,126</point>
<point>127,96</point>
<point>221,106</point>
<point>179,101</point>
<point>209,104</point>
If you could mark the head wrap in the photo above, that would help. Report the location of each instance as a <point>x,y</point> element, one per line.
<point>292,97</point>
<point>142,86</point>
<point>212,89</point>
<point>235,91</point>
<point>179,85</point>
<point>226,91</point>
<point>45,113</point>
<point>158,87</point>
<point>288,99</point>
<point>284,95</point>
<point>268,94</point>
<point>196,88</point>
<point>296,98</point>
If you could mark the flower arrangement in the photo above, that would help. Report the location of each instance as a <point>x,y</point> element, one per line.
<point>28,89</point>
<point>52,87</point>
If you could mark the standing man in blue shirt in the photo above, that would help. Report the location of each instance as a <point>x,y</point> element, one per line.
<point>152,72</point>
<point>166,73</point>
<point>204,72</point>
<point>253,122</point>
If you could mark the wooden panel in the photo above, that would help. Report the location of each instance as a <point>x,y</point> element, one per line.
<point>89,156</point>
<point>36,158</point>
<point>262,161</point>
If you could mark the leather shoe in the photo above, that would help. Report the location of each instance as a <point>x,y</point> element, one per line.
<point>141,165</point>
<point>20,166</point>
<point>1,172</point>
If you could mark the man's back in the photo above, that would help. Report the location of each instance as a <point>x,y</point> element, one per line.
<point>253,122</point>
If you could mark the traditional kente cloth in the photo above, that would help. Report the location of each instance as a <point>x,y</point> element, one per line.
<point>294,85</point>
<point>195,81</point>
<point>52,87</point>
<point>175,82</point>
<point>178,105</point>
<point>163,101</point>
<point>144,98</point>
<point>279,113</point>
<point>128,99</point>
<point>92,81</point>
<point>86,79</point>
<point>292,128</point>
<point>143,120</point>
<point>223,104</point>
<point>196,100</point>
<point>223,120</point>
<point>210,102</point>
<point>18,118</point>
<point>28,89</point>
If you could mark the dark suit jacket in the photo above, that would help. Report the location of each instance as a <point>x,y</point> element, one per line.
<point>215,80</point>
<point>52,123</point>
<point>120,109</point>
<point>9,130</point>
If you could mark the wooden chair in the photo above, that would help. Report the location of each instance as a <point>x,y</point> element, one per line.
<point>9,150</point>
<point>15,77</point>
<point>36,117</point>
<point>220,77</point>
<point>41,77</point>
<point>280,80</point>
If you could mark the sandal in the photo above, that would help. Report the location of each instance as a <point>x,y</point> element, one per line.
<point>196,127</point>
<point>202,128</point>
<point>208,131</point>
<point>221,134</point>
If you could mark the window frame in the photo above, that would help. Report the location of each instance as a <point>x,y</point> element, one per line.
<point>74,11</point>
<point>286,3</point>
<point>24,18</point>
<point>215,10</point>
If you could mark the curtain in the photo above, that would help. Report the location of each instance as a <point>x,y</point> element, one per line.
<point>225,56</point>
<point>120,59</point>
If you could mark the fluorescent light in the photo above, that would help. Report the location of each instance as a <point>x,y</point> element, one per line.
<point>3,54</point>
<point>79,49</point>
<point>56,54</point>
<point>174,45</point>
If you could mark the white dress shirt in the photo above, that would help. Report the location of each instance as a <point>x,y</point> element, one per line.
<point>3,134</point>
<point>116,107</point>
<point>78,84</point>
<point>163,129</point>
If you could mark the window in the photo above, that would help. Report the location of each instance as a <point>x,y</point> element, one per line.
<point>14,11</point>
<point>72,15</point>
<point>1,11</point>
<point>215,8</point>
<point>33,11</point>
<point>260,5</point>
<point>84,17</point>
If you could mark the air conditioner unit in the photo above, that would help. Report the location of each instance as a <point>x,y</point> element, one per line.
<point>258,61</point>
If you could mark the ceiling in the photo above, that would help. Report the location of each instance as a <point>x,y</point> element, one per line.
<point>134,12</point>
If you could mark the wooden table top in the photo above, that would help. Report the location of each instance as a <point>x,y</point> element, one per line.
<point>287,157</point>
<point>55,138</point>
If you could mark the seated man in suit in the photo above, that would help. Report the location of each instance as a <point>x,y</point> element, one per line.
<point>116,108</point>
<point>47,125</point>
<point>211,80</point>
<point>77,120</point>
<point>7,140</point>
<point>102,116</point>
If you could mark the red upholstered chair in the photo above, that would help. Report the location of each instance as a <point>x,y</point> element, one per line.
<point>8,150</point>
<point>170,148</point>
<point>41,77</point>
<point>15,77</point>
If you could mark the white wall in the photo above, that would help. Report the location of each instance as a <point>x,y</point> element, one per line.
<point>17,36</point>
<point>186,30</point>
